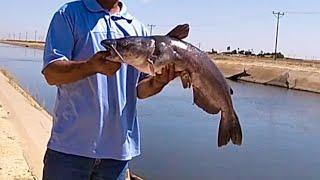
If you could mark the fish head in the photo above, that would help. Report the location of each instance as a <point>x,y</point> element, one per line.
<point>135,51</point>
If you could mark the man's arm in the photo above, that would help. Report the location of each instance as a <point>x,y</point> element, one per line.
<point>64,72</point>
<point>154,84</point>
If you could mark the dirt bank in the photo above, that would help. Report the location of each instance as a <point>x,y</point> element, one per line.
<point>288,73</point>
<point>30,44</point>
<point>12,162</point>
<point>32,126</point>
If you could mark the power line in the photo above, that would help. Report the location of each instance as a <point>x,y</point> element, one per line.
<point>303,12</point>
<point>151,26</point>
<point>278,16</point>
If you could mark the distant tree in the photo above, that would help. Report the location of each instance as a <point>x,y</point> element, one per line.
<point>213,51</point>
<point>228,48</point>
<point>241,52</point>
<point>234,52</point>
<point>248,53</point>
<point>261,54</point>
<point>279,55</point>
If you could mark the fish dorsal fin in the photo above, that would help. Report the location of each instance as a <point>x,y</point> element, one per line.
<point>179,32</point>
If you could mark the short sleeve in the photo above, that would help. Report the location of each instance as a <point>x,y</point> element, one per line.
<point>60,41</point>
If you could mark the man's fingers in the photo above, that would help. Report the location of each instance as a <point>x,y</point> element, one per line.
<point>163,71</point>
<point>113,65</point>
<point>167,77</point>
<point>103,54</point>
<point>167,74</point>
<point>171,72</point>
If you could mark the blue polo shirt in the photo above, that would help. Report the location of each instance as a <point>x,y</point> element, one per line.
<point>95,117</point>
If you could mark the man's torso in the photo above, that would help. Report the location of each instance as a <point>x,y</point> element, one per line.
<point>96,117</point>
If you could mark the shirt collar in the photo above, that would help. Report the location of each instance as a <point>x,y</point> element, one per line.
<point>94,6</point>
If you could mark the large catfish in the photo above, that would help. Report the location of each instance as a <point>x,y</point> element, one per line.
<point>210,89</point>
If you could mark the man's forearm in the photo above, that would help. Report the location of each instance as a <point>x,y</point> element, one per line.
<point>64,72</point>
<point>148,87</point>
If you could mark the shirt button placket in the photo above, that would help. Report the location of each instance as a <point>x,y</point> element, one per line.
<point>107,19</point>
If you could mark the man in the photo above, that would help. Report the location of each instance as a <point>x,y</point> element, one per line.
<point>95,131</point>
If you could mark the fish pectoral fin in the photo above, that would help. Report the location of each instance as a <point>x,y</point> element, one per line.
<point>185,79</point>
<point>180,32</point>
<point>203,102</point>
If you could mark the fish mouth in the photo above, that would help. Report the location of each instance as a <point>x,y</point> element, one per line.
<point>146,51</point>
<point>109,43</point>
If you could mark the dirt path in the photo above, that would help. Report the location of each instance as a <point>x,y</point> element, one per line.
<point>12,162</point>
<point>36,45</point>
<point>26,121</point>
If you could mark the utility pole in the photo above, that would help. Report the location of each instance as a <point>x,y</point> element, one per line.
<point>35,36</point>
<point>26,36</point>
<point>151,26</point>
<point>20,36</point>
<point>278,16</point>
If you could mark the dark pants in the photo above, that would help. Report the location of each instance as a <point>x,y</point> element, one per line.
<point>60,166</point>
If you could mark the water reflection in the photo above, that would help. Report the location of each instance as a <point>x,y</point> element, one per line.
<point>25,65</point>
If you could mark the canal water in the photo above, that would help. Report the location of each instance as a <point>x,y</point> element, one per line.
<point>281,129</point>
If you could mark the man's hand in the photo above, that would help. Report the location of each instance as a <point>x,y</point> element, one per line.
<point>154,84</point>
<point>100,63</point>
<point>167,75</point>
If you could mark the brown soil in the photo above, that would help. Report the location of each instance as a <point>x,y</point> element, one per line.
<point>12,162</point>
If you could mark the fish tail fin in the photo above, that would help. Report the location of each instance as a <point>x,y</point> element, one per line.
<point>229,129</point>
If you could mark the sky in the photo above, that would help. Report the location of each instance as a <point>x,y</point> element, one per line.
<point>244,24</point>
